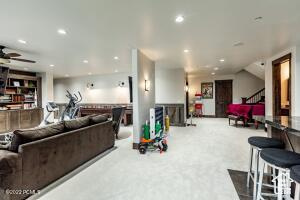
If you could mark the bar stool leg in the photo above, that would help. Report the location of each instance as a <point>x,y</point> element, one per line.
<point>297,192</point>
<point>274,179</point>
<point>250,166</point>
<point>287,196</point>
<point>255,179</point>
<point>260,182</point>
<point>279,194</point>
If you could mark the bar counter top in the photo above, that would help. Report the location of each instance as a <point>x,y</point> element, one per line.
<point>285,123</point>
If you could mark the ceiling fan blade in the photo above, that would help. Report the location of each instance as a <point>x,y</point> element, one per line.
<point>23,60</point>
<point>12,55</point>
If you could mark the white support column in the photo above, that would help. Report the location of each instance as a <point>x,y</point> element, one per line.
<point>142,69</point>
<point>47,90</point>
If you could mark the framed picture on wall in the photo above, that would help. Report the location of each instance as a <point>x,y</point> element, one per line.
<point>207,90</point>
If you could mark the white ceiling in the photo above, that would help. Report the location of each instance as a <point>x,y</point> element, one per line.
<point>98,30</point>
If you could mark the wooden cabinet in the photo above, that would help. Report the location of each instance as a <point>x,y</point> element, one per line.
<point>4,122</point>
<point>20,119</point>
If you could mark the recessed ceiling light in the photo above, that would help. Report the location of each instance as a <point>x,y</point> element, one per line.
<point>222,60</point>
<point>116,58</point>
<point>179,19</point>
<point>116,70</point>
<point>61,31</point>
<point>207,66</point>
<point>66,75</point>
<point>85,61</point>
<point>213,73</point>
<point>186,51</point>
<point>51,65</point>
<point>216,68</point>
<point>90,73</point>
<point>22,41</point>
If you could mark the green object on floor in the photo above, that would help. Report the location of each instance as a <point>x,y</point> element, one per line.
<point>146,131</point>
<point>157,127</point>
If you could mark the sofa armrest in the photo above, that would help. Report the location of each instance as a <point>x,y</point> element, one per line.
<point>9,162</point>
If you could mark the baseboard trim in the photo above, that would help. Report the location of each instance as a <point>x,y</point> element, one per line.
<point>209,116</point>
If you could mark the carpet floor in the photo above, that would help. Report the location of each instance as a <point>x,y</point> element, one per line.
<point>194,168</point>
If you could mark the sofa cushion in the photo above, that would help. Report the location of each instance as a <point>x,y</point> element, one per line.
<point>95,119</point>
<point>29,135</point>
<point>8,162</point>
<point>77,123</point>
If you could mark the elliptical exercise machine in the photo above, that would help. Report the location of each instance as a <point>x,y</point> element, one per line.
<point>72,108</point>
<point>51,107</point>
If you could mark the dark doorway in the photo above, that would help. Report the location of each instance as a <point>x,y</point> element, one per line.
<point>282,86</point>
<point>223,96</point>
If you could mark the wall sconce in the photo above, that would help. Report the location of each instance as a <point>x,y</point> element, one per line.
<point>186,88</point>
<point>90,86</point>
<point>121,84</point>
<point>147,85</point>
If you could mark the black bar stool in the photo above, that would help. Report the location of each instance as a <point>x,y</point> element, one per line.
<point>295,176</point>
<point>282,161</point>
<point>259,143</point>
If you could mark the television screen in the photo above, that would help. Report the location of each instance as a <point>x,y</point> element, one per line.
<point>3,79</point>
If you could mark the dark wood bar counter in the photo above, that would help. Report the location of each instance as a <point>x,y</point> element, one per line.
<point>286,129</point>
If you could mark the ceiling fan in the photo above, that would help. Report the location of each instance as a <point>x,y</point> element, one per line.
<point>6,57</point>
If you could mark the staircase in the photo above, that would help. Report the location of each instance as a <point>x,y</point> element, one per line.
<point>257,97</point>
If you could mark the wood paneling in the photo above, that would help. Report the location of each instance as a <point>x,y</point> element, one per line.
<point>20,119</point>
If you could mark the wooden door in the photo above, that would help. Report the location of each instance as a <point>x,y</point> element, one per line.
<point>223,96</point>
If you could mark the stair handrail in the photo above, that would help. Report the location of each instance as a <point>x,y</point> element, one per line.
<point>259,93</point>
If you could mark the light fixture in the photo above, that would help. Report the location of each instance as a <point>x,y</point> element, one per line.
<point>213,73</point>
<point>179,19</point>
<point>216,68</point>
<point>25,68</point>
<point>222,60</point>
<point>186,88</point>
<point>66,75</point>
<point>22,41</point>
<point>116,70</point>
<point>186,51</point>
<point>51,65</point>
<point>147,85</point>
<point>61,31</point>
<point>90,86</point>
<point>116,58</point>
<point>90,73</point>
<point>85,61</point>
<point>121,84</point>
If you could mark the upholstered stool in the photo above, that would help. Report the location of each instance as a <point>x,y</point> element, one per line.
<point>280,160</point>
<point>295,176</point>
<point>259,143</point>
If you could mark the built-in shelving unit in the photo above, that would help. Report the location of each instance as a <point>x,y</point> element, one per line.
<point>21,91</point>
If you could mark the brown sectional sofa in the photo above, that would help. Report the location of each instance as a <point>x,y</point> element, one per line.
<point>38,163</point>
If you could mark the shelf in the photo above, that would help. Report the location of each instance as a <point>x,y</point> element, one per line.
<point>20,87</point>
<point>17,102</point>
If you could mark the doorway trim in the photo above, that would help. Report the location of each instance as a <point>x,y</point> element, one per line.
<point>276,63</point>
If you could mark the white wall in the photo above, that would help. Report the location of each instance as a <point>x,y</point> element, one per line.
<point>106,89</point>
<point>170,84</point>
<point>142,69</point>
<point>295,80</point>
<point>244,84</point>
